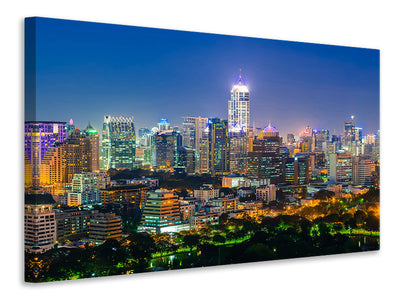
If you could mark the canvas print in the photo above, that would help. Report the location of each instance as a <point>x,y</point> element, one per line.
<point>152,150</point>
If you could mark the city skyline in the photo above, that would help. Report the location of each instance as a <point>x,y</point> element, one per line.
<point>292,84</point>
<point>204,187</point>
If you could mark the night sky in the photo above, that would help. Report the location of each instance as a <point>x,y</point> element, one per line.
<point>86,70</point>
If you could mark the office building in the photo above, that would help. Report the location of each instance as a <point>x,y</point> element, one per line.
<point>86,188</point>
<point>206,192</point>
<point>40,137</point>
<point>73,224</point>
<point>303,167</point>
<point>186,160</point>
<point>118,142</point>
<point>238,149</point>
<point>239,107</point>
<point>265,161</point>
<point>193,136</point>
<point>93,138</point>
<point>363,171</point>
<point>163,125</point>
<point>219,147</point>
<point>340,168</point>
<point>166,144</point>
<point>105,227</point>
<point>161,212</point>
<point>40,224</point>
<point>307,140</point>
<point>266,193</point>
<point>133,195</point>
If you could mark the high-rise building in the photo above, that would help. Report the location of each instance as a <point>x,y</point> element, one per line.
<point>40,223</point>
<point>76,155</point>
<point>341,167</point>
<point>239,147</point>
<point>239,107</point>
<point>94,147</point>
<point>40,137</point>
<point>219,147</point>
<point>66,159</point>
<point>86,188</point>
<point>164,125</point>
<point>302,165</point>
<point>104,227</point>
<point>204,155</point>
<point>266,160</point>
<point>291,171</point>
<point>166,144</point>
<point>118,142</point>
<point>363,171</point>
<point>161,212</point>
<point>130,195</point>
<point>186,160</point>
<point>307,140</point>
<point>320,141</point>
<point>290,139</point>
<point>349,131</point>
<point>193,135</point>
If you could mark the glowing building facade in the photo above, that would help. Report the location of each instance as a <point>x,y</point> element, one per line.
<point>161,212</point>
<point>40,137</point>
<point>239,126</point>
<point>166,144</point>
<point>265,159</point>
<point>219,147</point>
<point>193,136</point>
<point>118,142</point>
<point>239,107</point>
<point>93,138</point>
<point>40,223</point>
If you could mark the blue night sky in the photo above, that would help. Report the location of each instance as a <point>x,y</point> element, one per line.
<point>86,70</point>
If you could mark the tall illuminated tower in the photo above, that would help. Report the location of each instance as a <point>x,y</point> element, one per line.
<point>118,142</point>
<point>218,142</point>
<point>40,137</point>
<point>239,107</point>
<point>239,125</point>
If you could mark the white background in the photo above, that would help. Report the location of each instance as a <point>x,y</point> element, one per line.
<point>370,24</point>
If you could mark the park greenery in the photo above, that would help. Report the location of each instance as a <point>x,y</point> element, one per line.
<point>331,226</point>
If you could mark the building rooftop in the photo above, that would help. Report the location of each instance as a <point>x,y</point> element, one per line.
<point>124,187</point>
<point>39,199</point>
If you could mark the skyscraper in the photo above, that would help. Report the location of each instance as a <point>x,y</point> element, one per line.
<point>118,142</point>
<point>239,147</point>
<point>266,160</point>
<point>219,147</point>
<point>163,125</point>
<point>94,146</point>
<point>363,170</point>
<point>166,144</point>
<point>239,126</point>
<point>40,137</point>
<point>193,135</point>
<point>239,107</point>
<point>307,140</point>
<point>341,167</point>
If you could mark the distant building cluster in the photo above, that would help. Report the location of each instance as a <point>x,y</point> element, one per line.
<point>69,168</point>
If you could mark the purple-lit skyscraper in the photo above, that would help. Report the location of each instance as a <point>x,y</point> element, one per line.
<point>39,138</point>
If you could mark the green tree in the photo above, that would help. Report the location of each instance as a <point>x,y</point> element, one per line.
<point>191,240</point>
<point>141,247</point>
<point>218,239</point>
